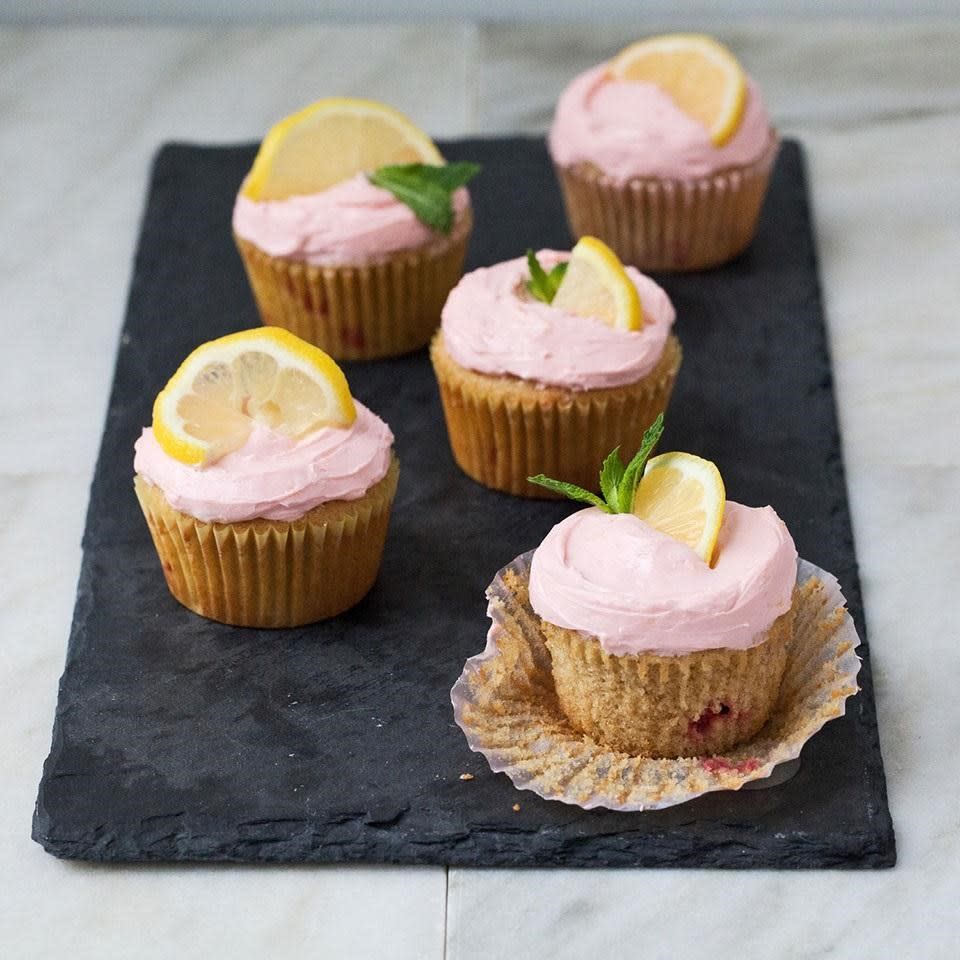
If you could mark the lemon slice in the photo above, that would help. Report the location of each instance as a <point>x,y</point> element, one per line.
<point>701,75</point>
<point>268,375</point>
<point>596,285</point>
<point>683,496</point>
<point>330,141</point>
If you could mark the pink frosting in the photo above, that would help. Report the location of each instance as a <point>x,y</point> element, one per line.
<point>352,222</point>
<point>615,577</point>
<point>272,476</point>
<point>636,130</point>
<point>492,325</point>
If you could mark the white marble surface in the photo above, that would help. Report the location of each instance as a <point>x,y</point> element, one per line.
<point>878,106</point>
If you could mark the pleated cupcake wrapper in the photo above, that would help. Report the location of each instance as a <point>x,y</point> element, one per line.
<point>505,703</point>
<point>272,573</point>
<point>657,224</point>
<point>644,704</point>
<point>503,430</point>
<point>380,309</point>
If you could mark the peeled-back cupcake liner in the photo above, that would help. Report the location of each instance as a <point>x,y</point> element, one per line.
<point>272,573</point>
<point>506,705</point>
<point>662,224</point>
<point>360,312</point>
<point>503,430</point>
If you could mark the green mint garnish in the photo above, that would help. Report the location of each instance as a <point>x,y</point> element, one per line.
<point>427,190</point>
<point>618,482</point>
<point>541,284</point>
<point>633,472</point>
<point>570,490</point>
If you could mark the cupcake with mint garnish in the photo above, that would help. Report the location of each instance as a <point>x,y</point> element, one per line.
<point>353,229</point>
<point>546,362</point>
<point>665,153</point>
<point>266,487</point>
<point>667,610</point>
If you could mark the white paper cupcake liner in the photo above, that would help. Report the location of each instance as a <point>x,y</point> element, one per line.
<point>505,704</point>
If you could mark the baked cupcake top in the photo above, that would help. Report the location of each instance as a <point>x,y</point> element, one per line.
<point>637,128</point>
<point>678,569</point>
<point>347,181</point>
<point>260,425</point>
<point>492,323</point>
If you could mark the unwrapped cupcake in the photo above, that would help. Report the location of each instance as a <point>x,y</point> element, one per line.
<point>266,487</point>
<point>353,229</point>
<point>665,152</point>
<point>667,609</point>
<point>546,362</point>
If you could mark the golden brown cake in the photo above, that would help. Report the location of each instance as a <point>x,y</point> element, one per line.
<point>541,375</point>
<point>266,488</point>
<point>665,153</point>
<point>667,609</point>
<point>352,228</point>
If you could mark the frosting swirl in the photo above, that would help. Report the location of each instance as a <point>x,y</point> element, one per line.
<point>637,590</point>
<point>350,223</point>
<point>492,326</point>
<point>632,130</point>
<point>272,476</point>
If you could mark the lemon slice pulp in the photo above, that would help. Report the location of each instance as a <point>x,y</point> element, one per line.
<point>700,74</point>
<point>596,285</point>
<point>330,141</point>
<point>267,375</point>
<point>683,496</point>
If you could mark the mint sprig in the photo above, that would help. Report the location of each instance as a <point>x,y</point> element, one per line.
<point>618,481</point>
<point>427,190</point>
<point>541,284</point>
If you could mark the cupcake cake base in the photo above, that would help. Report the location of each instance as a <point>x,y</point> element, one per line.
<point>662,706</point>
<point>669,224</point>
<point>380,309</point>
<point>503,429</point>
<point>272,573</point>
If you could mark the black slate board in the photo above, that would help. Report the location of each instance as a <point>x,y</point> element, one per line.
<point>180,739</point>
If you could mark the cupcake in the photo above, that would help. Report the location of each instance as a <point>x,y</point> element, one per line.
<point>665,153</point>
<point>545,363</point>
<point>266,487</point>
<point>352,229</point>
<point>667,610</point>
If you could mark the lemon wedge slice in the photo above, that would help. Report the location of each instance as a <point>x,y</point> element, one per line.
<point>700,74</point>
<point>682,495</point>
<point>267,375</point>
<point>330,141</point>
<point>596,285</point>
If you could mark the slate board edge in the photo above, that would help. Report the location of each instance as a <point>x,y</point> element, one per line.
<point>864,850</point>
<point>864,704</point>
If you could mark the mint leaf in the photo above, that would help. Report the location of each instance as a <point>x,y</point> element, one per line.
<point>541,284</point>
<point>634,471</point>
<point>570,490</point>
<point>610,476</point>
<point>451,176</point>
<point>427,190</point>
<point>617,482</point>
